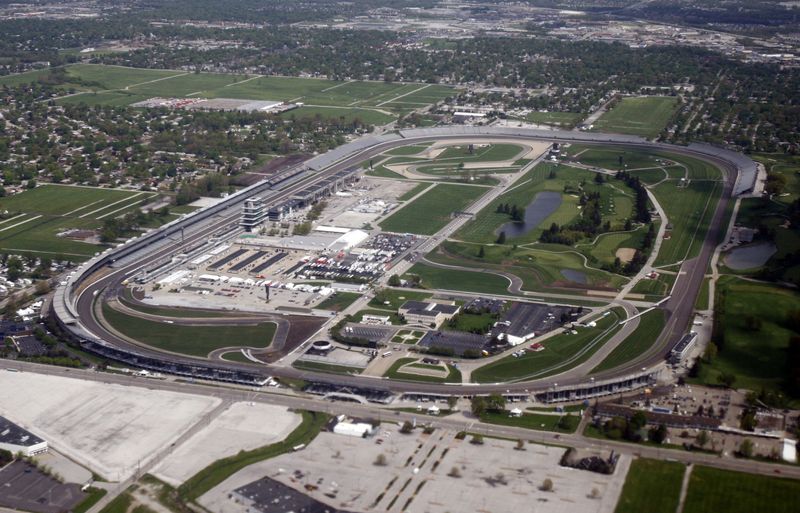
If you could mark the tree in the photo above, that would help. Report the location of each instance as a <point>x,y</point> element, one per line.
<point>658,434</point>
<point>14,271</point>
<point>711,352</point>
<point>547,485</point>
<point>407,427</point>
<point>454,472</point>
<point>598,178</point>
<point>477,439</point>
<point>501,239</point>
<point>481,252</point>
<point>702,438</point>
<point>478,406</point>
<point>42,287</point>
<point>520,445</point>
<point>745,448</point>
<point>452,401</point>
<point>380,460</point>
<point>496,403</point>
<point>727,379</point>
<point>394,281</point>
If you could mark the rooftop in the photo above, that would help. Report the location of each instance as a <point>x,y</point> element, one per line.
<point>13,434</point>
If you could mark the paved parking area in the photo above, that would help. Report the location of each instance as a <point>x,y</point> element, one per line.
<point>24,487</point>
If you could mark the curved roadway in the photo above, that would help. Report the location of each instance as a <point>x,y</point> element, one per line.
<point>679,308</point>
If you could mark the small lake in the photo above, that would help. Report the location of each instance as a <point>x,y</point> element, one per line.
<point>574,276</point>
<point>750,256</point>
<point>543,204</point>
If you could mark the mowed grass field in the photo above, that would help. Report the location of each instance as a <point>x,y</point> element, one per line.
<point>689,211</point>
<point>642,338</point>
<point>373,102</point>
<point>756,357</point>
<point>194,340</point>
<point>712,489</point>
<point>35,217</point>
<point>646,116</point>
<point>432,211</point>
<point>653,486</point>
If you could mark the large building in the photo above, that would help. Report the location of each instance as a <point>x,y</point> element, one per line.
<point>15,439</point>
<point>427,314</point>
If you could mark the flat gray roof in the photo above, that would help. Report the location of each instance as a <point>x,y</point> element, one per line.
<point>13,434</point>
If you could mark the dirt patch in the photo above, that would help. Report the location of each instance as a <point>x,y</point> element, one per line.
<point>625,255</point>
<point>273,166</point>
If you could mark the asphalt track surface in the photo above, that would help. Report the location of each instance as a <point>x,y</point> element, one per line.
<point>679,309</point>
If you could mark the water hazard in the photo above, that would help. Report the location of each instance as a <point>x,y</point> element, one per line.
<point>542,206</point>
<point>750,256</point>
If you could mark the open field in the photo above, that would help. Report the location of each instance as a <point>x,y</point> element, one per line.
<point>642,338</point>
<point>561,352</point>
<point>393,299</point>
<point>372,102</point>
<point>88,420</point>
<point>453,376</point>
<point>194,340</point>
<point>431,212</point>
<point>563,119</point>
<point>338,301</point>
<point>535,421</point>
<point>646,116</point>
<point>755,352</point>
<point>713,489</point>
<point>689,211</point>
<point>455,279</point>
<point>653,486</point>
<point>242,427</point>
<point>36,217</point>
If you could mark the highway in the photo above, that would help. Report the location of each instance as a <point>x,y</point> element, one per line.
<point>679,308</point>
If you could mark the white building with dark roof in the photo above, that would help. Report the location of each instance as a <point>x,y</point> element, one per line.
<point>16,439</point>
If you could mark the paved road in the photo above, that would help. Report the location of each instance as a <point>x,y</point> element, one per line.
<point>679,308</point>
<point>281,397</point>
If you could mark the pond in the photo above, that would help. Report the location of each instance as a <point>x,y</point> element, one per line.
<point>574,276</point>
<point>750,256</point>
<point>543,204</point>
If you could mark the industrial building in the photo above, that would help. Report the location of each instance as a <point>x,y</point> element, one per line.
<point>682,348</point>
<point>270,496</point>
<point>524,321</point>
<point>427,314</point>
<point>18,440</point>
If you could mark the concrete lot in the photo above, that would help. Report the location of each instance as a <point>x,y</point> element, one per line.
<point>496,477</point>
<point>109,428</point>
<point>243,426</point>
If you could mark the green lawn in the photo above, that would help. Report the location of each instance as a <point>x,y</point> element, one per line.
<point>653,486</point>
<point>93,497</point>
<point>564,119</point>
<point>393,299</point>
<point>100,77</point>
<point>455,279</point>
<point>689,211</point>
<point>325,367</point>
<point>642,338</point>
<point>756,357</point>
<point>220,470</point>
<point>561,352</point>
<point>36,217</point>
<point>488,153</point>
<point>338,301</point>
<point>23,78</point>
<point>403,151</point>
<point>120,504</point>
<point>453,376</point>
<point>348,114</point>
<point>413,192</point>
<point>536,421</point>
<point>432,211</point>
<point>718,490</point>
<point>646,116</point>
<point>191,340</point>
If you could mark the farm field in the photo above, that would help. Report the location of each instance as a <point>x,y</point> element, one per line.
<point>646,116</point>
<point>712,489</point>
<point>651,485</point>
<point>755,352</point>
<point>431,212</point>
<point>35,217</point>
<point>561,352</point>
<point>372,102</point>
<point>193,340</point>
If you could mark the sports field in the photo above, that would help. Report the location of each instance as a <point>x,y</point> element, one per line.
<point>372,102</point>
<point>34,218</point>
<point>563,119</point>
<point>432,211</point>
<point>646,116</point>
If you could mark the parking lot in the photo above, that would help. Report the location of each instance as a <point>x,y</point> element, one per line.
<point>24,487</point>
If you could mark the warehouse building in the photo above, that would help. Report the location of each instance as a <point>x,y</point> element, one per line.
<point>15,439</point>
